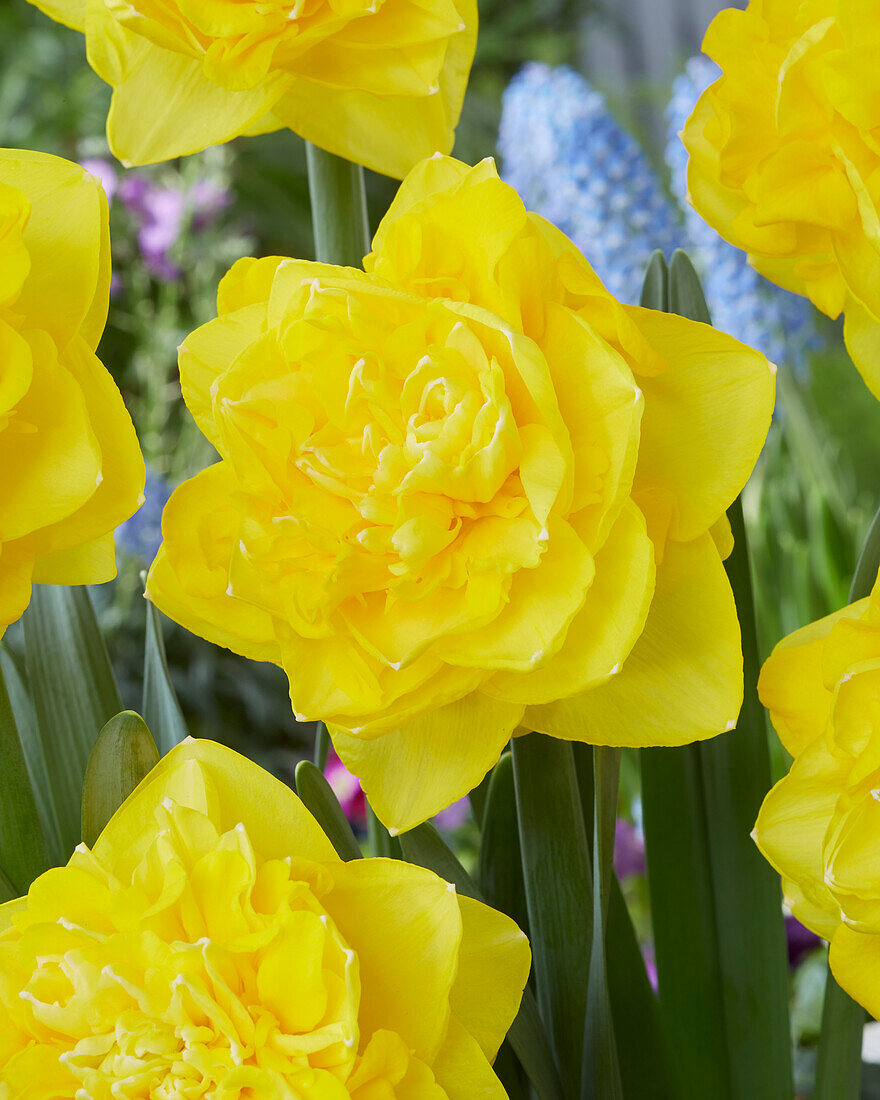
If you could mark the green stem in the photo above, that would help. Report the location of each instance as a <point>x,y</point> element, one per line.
<point>339,208</point>
<point>322,746</point>
<point>601,1072</point>
<point>839,1067</point>
<point>382,843</point>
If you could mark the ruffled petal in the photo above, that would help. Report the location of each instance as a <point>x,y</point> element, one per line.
<point>861,333</point>
<point>211,778</point>
<point>88,563</point>
<point>16,571</point>
<point>463,1070</point>
<point>683,680</point>
<point>404,923</point>
<point>430,762</point>
<point>855,963</point>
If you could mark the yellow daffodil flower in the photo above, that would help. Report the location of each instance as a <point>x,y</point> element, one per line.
<point>465,491</point>
<point>213,945</point>
<point>73,467</point>
<point>784,152</point>
<point>820,825</point>
<point>380,82</point>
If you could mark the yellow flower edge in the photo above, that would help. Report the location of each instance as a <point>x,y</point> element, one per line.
<point>380,82</point>
<point>463,492</point>
<point>820,826</point>
<point>783,152</point>
<point>64,430</point>
<point>212,943</point>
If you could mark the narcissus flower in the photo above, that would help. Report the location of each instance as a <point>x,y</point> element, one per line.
<point>464,491</point>
<point>213,945</point>
<point>73,465</point>
<point>820,825</point>
<point>783,154</point>
<point>380,82</point>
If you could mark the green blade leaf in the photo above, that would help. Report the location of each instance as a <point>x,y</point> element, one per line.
<point>501,872</point>
<point>160,706</point>
<point>339,208</point>
<point>319,799</point>
<point>655,289</point>
<point>23,852</point>
<point>123,755</point>
<point>559,891</point>
<point>74,693</point>
<point>686,296</point>
<point>424,846</point>
<point>17,688</point>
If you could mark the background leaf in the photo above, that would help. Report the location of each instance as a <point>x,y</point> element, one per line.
<point>123,755</point>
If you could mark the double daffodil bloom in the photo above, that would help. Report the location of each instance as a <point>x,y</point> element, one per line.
<point>820,825</point>
<point>784,150</point>
<point>380,82</point>
<point>465,491</point>
<point>213,945</point>
<point>73,467</point>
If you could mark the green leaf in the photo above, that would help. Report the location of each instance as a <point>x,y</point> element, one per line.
<point>322,746</point>
<point>425,847</point>
<point>655,289</point>
<point>18,690</point>
<point>23,853</point>
<point>319,799</point>
<point>501,870</point>
<point>839,1067</point>
<point>686,296</point>
<point>559,891</point>
<point>601,1072</point>
<point>160,706</point>
<point>73,690</point>
<point>123,755</point>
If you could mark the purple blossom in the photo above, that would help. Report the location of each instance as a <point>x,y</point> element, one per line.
<point>104,172</point>
<point>207,200</point>
<point>801,941</point>
<point>629,850</point>
<point>454,816</point>
<point>347,789</point>
<point>163,211</point>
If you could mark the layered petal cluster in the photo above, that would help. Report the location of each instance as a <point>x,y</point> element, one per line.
<point>463,491</point>
<point>213,945</point>
<point>73,468</point>
<point>784,149</point>
<point>820,825</point>
<point>380,82</point>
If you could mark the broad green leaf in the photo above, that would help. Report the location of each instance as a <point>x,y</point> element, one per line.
<point>74,693</point>
<point>162,712</point>
<point>15,677</point>
<point>655,289</point>
<point>123,755</point>
<point>318,797</point>
<point>23,853</point>
<point>501,872</point>
<point>559,892</point>
<point>527,1037</point>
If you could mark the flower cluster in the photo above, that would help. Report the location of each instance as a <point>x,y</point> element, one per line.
<point>73,463</point>
<point>570,160</point>
<point>783,155</point>
<point>820,825</point>
<point>463,490</point>
<point>212,944</point>
<point>378,81</point>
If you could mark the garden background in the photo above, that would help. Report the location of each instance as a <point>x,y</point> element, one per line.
<point>177,228</point>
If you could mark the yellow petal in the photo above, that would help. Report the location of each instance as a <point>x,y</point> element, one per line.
<point>604,631</point>
<point>463,1070</point>
<point>430,762</point>
<point>200,774</point>
<point>89,563</point>
<point>792,686</point>
<point>190,577</point>
<point>861,332</point>
<point>404,923</point>
<point>72,13</point>
<point>493,968</point>
<point>795,816</point>
<point>706,418</point>
<point>67,238</point>
<point>16,570</point>
<point>855,963</point>
<point>120,491</point>
<point>188,113</point>
<point>683,680</point>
